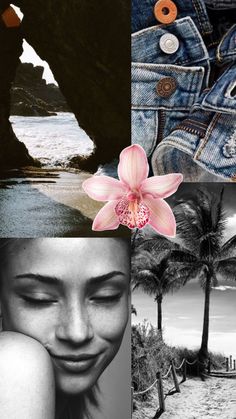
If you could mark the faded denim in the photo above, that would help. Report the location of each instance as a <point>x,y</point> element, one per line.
<point>192,131</point>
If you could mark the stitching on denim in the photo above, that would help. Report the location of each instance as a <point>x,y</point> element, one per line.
<point>208,133</point>
<point>199,13</point>
<point>191,83</point>
<point>191,61</point>
<point>208,106</point>
<point>158,107</point>
<point>169,67</point>
<point>197,10</point>
<point>196,79</point>
<point>156,132</point>
<point>198,36</point>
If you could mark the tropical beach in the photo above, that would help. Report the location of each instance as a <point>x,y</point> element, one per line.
<point>184,310</point>
<point>213,398</point>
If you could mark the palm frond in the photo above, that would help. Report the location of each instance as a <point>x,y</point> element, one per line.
<point>201,222</point>
<point>228,249</point>
<point>227,268</point>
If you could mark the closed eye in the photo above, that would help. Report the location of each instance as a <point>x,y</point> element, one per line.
<point>38,300</point>
<point>106,298</point>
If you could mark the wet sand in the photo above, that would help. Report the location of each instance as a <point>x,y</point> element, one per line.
<point>47,203</point>
<point>214,398</point>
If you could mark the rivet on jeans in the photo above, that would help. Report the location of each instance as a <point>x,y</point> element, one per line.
<point>165,11</point>
<point>166,87</point>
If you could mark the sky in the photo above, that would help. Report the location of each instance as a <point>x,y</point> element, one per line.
<point>183,310</point>
<point>183,316</point>
<point>30,56</point>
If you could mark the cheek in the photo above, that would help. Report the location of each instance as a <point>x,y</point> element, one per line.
<point>109,325</point>
<point>18,319</point>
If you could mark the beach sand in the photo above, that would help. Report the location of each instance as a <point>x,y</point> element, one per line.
<point>47,203</point>
<point>214,398</point>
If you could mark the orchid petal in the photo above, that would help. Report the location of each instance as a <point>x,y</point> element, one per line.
<point>133,166</point>
<point>104,188</point>
<point>106,218</point>
<point>161,186</point>
<point>161,216</point>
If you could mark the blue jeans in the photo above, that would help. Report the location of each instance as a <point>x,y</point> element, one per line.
<point>184,98</point>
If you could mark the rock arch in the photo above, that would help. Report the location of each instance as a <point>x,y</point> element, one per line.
<point>87,47</point>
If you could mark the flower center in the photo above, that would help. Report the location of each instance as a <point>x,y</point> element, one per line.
<point>132,212</point>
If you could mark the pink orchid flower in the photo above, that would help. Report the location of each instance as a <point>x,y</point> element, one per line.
<point>135,200</point>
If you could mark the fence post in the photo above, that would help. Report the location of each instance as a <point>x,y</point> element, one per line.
<point>227,364</point>
<point>209,366</point>
<point>234,364</point>
<point>160,391</point>
<point>132,399</point>
<point>175,377</point>
<point>198,370</point>
<point>230,362</point>
<point>184,370</point>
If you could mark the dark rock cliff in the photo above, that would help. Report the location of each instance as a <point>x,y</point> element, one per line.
<point>32,96</point>
<point>87,46</point>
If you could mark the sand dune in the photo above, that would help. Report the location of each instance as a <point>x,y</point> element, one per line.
<point>211,399</point>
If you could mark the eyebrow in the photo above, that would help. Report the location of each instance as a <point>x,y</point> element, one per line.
<point>52,280</point>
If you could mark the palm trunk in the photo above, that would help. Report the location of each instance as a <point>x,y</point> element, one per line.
<point>203,353</point>
<point>159,314</point>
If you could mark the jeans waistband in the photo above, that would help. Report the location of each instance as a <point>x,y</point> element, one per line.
<point>143,16</point>
<point>192,50</point>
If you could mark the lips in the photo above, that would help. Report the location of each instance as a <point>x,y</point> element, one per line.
<point>75,363</point>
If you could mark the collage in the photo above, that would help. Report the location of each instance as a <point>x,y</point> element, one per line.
<point>118,209</point>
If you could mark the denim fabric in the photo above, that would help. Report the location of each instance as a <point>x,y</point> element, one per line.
<point>224,4</point>
<point>193,129</point>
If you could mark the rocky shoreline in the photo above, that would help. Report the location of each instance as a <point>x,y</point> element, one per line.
<point>32,96</point>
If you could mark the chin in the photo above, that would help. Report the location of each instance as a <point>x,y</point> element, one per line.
<point>72,385</point>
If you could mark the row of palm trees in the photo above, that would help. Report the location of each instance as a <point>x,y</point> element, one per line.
<point>160,265</point>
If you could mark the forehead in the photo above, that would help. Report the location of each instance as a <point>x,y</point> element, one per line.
<point>66,257</point>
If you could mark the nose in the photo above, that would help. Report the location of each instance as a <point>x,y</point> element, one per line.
<point>74,325</point>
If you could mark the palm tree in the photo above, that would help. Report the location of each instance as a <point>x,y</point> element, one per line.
<point>201,227</point>
<point>154,269</point>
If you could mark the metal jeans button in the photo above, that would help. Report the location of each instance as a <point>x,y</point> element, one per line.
<point>166,86</point>
<point>169,43</point>
<point>165,11</point>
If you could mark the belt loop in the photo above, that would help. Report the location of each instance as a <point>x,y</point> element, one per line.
<point>202,16</point>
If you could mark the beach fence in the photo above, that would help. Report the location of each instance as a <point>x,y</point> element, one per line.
<point>171,373</point>
<point>230,364</point>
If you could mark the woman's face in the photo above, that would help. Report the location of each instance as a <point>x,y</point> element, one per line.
<point>72,296</point>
